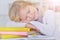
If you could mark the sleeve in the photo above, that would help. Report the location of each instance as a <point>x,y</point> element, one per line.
<point>49,21</point>
<point>15,24</point>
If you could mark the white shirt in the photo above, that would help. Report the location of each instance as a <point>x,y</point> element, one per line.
<point>48,26</point>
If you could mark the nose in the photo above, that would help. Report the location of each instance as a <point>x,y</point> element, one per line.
<point>30,15</point>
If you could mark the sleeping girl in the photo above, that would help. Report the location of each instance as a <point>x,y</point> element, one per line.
<point>23,14</point>
<point>26,14</point>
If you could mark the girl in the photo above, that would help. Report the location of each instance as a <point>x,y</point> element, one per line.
<point>23,14</point>
<point>26,14</point>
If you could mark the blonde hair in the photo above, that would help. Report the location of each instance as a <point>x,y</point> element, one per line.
<point>13,12</point>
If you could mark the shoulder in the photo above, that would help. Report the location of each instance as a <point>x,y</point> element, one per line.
<point>49,12</point>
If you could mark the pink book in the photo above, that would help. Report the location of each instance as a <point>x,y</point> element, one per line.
<point>15,33</point>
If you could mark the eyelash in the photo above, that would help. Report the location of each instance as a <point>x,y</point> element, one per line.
<point>28,11</point>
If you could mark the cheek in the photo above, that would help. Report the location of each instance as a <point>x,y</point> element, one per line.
<point>22,16</point>
<point>30,16</point>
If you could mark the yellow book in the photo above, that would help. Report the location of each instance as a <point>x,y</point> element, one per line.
<point>11,36</point>
<point>12,29</point>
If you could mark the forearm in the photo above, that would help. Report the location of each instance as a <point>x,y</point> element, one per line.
<point>32,27</point>
<point>28,25</point>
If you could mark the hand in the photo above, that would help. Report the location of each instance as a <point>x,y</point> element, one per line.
<point>32,27</point>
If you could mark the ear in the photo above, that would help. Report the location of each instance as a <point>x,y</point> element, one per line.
<point>36,13</point>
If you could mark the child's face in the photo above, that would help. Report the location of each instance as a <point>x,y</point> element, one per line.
<point>27,14</point>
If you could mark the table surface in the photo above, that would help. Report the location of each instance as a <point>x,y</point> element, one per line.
<point>32,38</point>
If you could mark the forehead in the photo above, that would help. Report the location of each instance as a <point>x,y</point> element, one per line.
<point>28,8</point>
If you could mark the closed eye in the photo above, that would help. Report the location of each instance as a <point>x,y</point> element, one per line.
<point>28,11</point>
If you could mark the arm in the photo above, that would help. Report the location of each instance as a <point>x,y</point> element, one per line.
<point>29,25</point>
<point>34,29</point>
